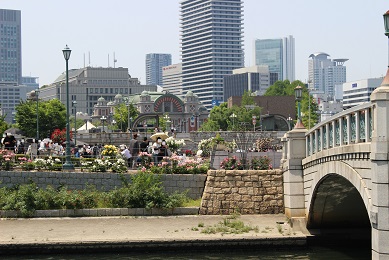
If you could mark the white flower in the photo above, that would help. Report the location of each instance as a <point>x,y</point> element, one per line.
<point>199,153</point>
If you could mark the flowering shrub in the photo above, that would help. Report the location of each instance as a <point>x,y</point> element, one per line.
<point>59,136</point>
<point>100,165</point>
<point>205,146</point>
<point>174,144</point>
<point>145,160</point>
<point>26,164</point>
<point>53,164</point>
<point>231,163</point>
<point>6,159</point>
<point>188,152</point>
<point>119,166</point>
<point>261,163</point>
<point>181,165</point>
<point>39,163</point>
<point>110,150</point>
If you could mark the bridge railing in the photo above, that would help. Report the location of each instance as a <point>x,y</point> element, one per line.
<point>351,126</point>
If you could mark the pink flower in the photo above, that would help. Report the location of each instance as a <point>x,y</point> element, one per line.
<point>143,169</point>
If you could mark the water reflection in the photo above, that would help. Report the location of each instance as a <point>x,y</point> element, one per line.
<point>315,253</point>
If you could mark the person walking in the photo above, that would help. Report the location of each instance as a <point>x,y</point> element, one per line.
<point>134,150</point>
<point>126,154</point>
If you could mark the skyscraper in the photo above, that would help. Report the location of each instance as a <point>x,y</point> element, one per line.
<point>324,73</point>
<point>172,79</point>
<point>278,54</point>
<point>10,47</point>
<point>211,46</point>
<point>256,79</point>
<point>154,64</point>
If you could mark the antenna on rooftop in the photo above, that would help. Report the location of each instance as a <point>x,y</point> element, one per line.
<point>108,60</point>
<point>114,60</point>
<point>84,59</point>
<point>89,58</point>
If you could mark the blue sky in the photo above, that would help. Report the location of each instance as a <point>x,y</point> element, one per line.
<point>351,29</point>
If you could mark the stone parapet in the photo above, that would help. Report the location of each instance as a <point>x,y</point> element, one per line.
<point>244,191</point>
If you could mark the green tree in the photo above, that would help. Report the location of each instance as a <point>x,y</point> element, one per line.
<point>52,115</point>
<point>121,115</point>
<point>3,125</point>
<point>221,117</point>
<point>285,88</point>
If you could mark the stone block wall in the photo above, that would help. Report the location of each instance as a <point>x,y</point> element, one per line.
<point>245,192</point>
<point>102,181</point>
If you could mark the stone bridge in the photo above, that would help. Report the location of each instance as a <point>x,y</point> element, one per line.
<point>336,175</point>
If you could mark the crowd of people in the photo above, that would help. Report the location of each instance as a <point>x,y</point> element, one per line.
<point>155,147</point>
<point>158,149</point>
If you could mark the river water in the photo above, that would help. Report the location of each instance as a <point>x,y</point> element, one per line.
<point>311,253</point>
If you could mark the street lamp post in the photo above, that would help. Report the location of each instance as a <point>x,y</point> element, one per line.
<point>233,116</point>
<point>103,119</point>
<point>167,121</point>
<point>68,163</point>
<point>37,113</point>
<point>298,91</point>
<point>75,121</point>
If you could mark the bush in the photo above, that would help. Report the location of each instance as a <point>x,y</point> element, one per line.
<point>144,191</point>
<point>231,163</point>
<point>261,163</point>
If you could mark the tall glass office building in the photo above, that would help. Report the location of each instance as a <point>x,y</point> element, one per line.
<point>278,54</point>
<point>154,64</point>
<point>10,47</point>
<point>211,46</point>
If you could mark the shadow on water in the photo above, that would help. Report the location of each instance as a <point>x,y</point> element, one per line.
<point>310,253</point>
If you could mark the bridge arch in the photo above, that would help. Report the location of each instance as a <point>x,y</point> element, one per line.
<point>335,184</point>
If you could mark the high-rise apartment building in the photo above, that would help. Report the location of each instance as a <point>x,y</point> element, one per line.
<point>154,64</point>
<point>172,79</point>
<point>278,54</point>
<point>211,46</point>
<point>10,46</point>
<point>324,74</point>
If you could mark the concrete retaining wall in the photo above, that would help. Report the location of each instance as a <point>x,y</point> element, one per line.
<point>102,181</point>
<point>245,192</point>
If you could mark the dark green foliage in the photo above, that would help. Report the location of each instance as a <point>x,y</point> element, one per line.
<point>144,191</point>
<point>52,115</point>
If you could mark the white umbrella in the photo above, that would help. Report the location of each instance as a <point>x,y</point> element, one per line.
<point>162,135</point>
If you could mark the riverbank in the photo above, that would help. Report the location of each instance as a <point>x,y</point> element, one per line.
<point>146,233</point>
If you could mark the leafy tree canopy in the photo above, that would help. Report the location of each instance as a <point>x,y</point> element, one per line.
<point>309,107</point>
<point>234,118</point>
<point>52,115</point>
<point>121,115</point>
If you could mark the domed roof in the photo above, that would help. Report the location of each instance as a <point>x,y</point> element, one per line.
<point>110,103</point>
<point>144,93</point>
<point>189,94</point>
<point>101,99</point>
<point>118,96</point>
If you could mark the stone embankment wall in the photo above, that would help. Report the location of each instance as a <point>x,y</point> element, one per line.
<point>245,192</point>
<point>102,181</point>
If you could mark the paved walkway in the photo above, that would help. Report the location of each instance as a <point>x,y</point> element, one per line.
<point>130,232</point>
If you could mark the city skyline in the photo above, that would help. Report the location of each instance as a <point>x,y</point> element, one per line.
<point>134,29</point>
